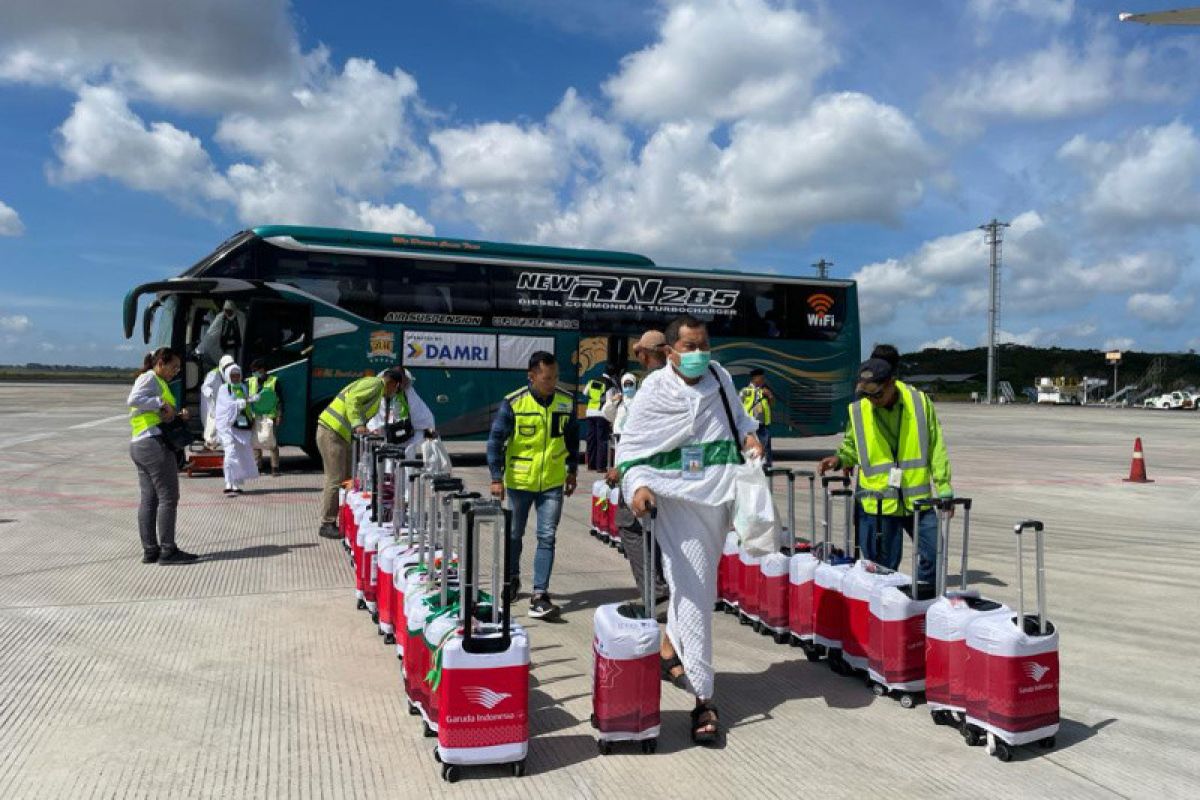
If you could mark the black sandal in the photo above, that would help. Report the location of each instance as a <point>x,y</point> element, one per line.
<point>667,664</point>
<point>705,715</point>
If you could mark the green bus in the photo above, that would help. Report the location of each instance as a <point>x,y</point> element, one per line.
<point>324,306</point>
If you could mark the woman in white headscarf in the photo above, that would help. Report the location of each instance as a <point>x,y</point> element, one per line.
<point>209,390</point>
<point>235,428</point>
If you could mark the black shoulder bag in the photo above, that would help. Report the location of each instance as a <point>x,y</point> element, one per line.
<point>737,440</point>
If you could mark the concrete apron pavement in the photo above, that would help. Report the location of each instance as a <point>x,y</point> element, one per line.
<point>251,674</point>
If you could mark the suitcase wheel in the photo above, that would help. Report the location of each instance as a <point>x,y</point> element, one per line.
<point>361,605</point>
<point>375,617</point>
<point>518,768</point>
<point>756,626</point>
<point>782,638</point>
<point>413,711</point>
<point>718,606</point>
<point>999,748</point>
<point>907,701</point>
<point>604,747</point>
<point>451,773</point>
<point>942,717</point>
<point>389,638</point>
<point>650,746</point>
<point>1046,743</point>
<point>973,736</point>
<point>429,732</point>
<point>594,721</point>
<point>877,689</point>
<point>436,755</point>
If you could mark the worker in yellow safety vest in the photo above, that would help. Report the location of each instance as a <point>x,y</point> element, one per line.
<point>757,399</point>
<point>596,392</point>
<point>896,442</point>
<point>532,452</point>
<point>152,405</point>
<point>341,419</point>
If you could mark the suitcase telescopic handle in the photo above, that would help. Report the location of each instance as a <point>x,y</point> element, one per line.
<point>828,479</point>
<point>847,496</point>
<point>649,542</point>
<point>412,463</point>
<point>786,546</point>
<point>919,505</point>
<point>501,522</point>
<point>963,581</point>
<point>1038,532</point>
<point>812,503</point>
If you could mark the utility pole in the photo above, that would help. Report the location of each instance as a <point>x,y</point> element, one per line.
<point>995,234</point>
<point>822,268</point>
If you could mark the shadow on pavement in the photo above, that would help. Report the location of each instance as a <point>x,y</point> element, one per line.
<point>255,551</point>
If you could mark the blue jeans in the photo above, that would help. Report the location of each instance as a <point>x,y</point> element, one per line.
<point>549,509</point>
<point>891,543</point>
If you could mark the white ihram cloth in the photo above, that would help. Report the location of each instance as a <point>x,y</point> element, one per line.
<point>237,443</point>
<point>693,515</point>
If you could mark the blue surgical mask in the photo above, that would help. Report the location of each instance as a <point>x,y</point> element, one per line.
<point>694,363</point>
<point>628,391</point>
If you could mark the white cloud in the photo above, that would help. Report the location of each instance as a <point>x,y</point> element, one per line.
<point>10,221</point>
<point>103,138</point>
<point>1160,310</point>
<point>1149,177</point>
<point>1057,12</point>
<point>1033,337</point>
<point>14,323</point>
<point>684,197</point>
<point>723,60</point>
<point>1119,343</point>
<point>1057,82</point>
<point>210,55</point>
<point>396,218</point>
<point>944,343</point>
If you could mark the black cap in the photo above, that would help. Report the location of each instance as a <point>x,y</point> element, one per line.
<point>394,374</point>
<point>872,374</point>
<point>754,373</point>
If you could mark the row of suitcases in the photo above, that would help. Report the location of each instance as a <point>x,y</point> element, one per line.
<point>413,538</point>
<point>981,667</point>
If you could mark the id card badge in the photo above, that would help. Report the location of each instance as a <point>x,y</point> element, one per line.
<point>895,478</point>
<point>692,466</point>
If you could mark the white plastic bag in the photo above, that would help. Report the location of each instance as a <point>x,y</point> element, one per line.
<point>435,456</point>
<point>754,515</point>
<point>264,433</point>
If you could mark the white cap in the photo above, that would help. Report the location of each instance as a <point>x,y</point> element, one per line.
<point>629,377</point>
<point>229,306</point>
<point>225,361</point>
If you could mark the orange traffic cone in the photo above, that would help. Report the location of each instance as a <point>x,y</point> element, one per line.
<point>1137,467</point>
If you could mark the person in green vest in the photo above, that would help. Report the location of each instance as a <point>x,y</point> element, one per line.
<point>152,404</point>
<point>532,455</point>
<point>344,417</point>
<point>757,399</point>
<point>268,412</point>
<point>896,442</point>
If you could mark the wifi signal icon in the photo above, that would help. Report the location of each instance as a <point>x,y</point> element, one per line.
<point>820,303</point>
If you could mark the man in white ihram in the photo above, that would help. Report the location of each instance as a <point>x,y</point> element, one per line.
<point>679,450</point>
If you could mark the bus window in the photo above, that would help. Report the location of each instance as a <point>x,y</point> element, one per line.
<point>278,332</point>
<point>434,287</point>
<point>347,281</point>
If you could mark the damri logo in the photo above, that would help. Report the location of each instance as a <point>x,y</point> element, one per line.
<point>821,304</point>
<point>1035,670</point>
<point>481,695</point>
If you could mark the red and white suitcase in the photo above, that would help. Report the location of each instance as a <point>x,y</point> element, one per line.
<point>865,579</point>
<point>749,576</point>
<point>408,561</point>
<point>483,680</point>
<point>424,599</point>
<point>610,519</point>
<point>773,584</point>
<point>1012,668</point>
<point>444,621</point>
<point>946,625</point>
<point>727,575</point>
<point>392,549</point>
<point>898,618</point>
<point>829,607</point>
<point>626,680</point>
<point>599,508</point>
<point>802,568</point>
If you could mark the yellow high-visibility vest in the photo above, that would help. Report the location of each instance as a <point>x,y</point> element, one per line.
<point>142,421</point>
<point>876,459</point>
<point>536,455</point>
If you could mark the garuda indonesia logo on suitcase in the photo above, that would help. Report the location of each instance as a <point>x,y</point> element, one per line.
<point>482,695</point>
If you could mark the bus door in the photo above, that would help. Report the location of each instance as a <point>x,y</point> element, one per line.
<point>594,355</point>
<point>280,333</point>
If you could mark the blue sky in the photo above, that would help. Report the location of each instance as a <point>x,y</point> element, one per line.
<point>763,134</point>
